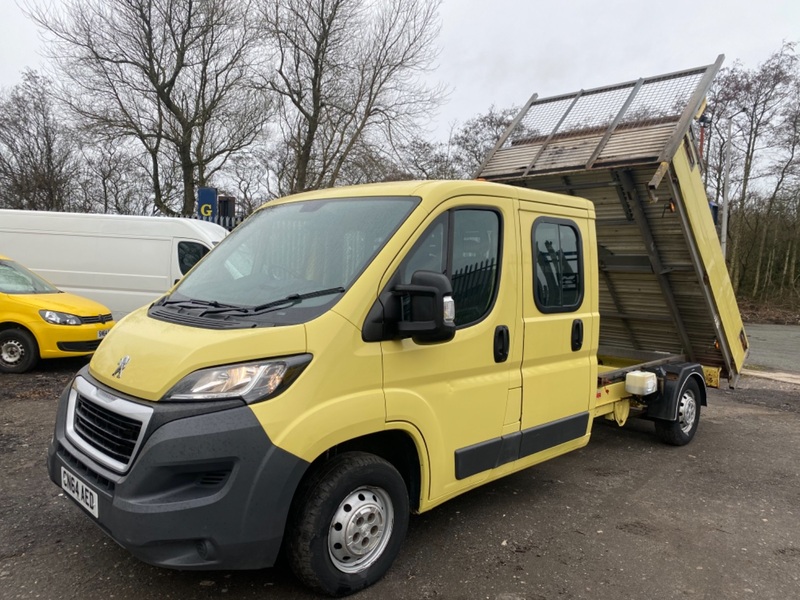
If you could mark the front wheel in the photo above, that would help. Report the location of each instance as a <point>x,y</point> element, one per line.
<point>681,431</point>
<point>19,351</point>
<point>347,523</point>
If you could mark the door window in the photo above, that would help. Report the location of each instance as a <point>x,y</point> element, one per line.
<point>188,255</point>
<point>557,278</point>
<point>472,261</point>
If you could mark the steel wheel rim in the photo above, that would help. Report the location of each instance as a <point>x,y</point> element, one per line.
<point>12,352</point>
<point>360,529</point>
<point>687,411</point>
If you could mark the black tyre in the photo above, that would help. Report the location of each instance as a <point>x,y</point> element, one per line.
<point>18,351</point>
<point>681,431</point>
<point>347,523</point>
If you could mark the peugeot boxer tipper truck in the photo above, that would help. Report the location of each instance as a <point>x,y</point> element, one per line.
<point>349,356</point>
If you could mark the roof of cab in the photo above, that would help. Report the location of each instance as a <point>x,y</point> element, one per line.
<point>434,191</point>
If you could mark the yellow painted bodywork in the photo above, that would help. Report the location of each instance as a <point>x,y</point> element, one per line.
<point>161,354</point>
<point>22,310</point>
<point>558,382</point>
<point>454,392</point>
<point>716,278</point>
<point>444,396</point>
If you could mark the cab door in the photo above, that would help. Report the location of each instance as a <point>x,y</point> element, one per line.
<point>560,327</point>
<point>463,395</point>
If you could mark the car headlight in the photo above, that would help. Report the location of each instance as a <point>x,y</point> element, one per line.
<point>59,318</point>
<point>251,381</point>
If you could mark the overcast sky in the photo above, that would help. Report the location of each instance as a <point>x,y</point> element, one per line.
<point>499,52</point>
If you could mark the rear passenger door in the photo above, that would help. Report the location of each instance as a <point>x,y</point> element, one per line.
<point>560,327</point>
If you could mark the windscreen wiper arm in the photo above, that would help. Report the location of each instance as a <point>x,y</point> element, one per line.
<point>285,302</point>
<point>191,303</point>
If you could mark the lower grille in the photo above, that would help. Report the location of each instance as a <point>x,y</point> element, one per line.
<point>90,475</point>
<point>78,346</point>
<point>112,434</point>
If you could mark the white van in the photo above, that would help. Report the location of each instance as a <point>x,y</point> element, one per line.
<point>121,261</point>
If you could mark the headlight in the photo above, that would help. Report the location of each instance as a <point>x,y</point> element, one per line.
<point>252,381</point>
<point>59,318</point>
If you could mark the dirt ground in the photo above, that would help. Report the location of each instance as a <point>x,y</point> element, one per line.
<point>768,313</point>
<point>626,517</point>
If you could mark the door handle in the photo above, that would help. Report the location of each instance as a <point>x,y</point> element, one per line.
<point>577,335</point>
<point>502,343</point>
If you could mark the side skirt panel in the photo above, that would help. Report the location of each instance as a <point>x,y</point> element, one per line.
<point>493,453</point>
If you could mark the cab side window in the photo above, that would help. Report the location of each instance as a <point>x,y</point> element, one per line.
<point>465,245</point>
<point>558,277</point>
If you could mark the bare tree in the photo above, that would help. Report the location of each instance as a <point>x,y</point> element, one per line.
<point>459,157</point>
<point>422,159</point>
<point>347,73</point>
<point>752,100</point>
<point>172,74</point>
<point>38,155</point>
<point>478,135</point>
<point>248,176</point>
<point>761,109</point>
<point>784,174</point>
<point>114,179</point>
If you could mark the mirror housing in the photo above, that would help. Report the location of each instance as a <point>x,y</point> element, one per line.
<point>427,308</point>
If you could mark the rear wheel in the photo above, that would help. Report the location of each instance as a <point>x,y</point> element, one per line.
<point>681,431</point>
<point>347,523</point>
<point>18,351</point>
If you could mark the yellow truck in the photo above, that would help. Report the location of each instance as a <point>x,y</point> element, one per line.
<point>347,357</point>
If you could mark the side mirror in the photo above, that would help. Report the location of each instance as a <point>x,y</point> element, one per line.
<point>427,308</point>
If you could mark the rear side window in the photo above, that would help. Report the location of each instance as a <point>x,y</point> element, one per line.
<point>188,255</point>
<point>558,264</point>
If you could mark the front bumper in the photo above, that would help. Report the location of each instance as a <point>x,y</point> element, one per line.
<point>206,488</point>
<point>57,341</point>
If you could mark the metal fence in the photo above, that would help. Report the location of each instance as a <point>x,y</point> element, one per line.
<point>229,223</point>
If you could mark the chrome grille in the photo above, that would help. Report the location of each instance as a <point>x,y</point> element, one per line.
<point>106,428</point>
<point>112,434</point>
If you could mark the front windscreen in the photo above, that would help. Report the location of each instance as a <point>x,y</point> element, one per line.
<point>16,279</point>
<point>288,258</point>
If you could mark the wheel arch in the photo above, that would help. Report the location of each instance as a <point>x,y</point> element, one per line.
<point>701,384</point>
<point>398,447</point>
<point>672,381</point>
<point>6,325</point>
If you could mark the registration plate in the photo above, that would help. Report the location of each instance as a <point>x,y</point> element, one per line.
<point>102,333</point>
<point>79,491</point>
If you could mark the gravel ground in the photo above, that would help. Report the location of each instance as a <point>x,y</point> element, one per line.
<point>626,517</point>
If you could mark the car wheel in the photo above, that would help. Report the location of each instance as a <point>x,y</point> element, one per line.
<point>18,351</point>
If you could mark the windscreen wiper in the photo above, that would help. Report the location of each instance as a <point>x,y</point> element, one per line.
<point>285,302</point>
<point>192,303</point>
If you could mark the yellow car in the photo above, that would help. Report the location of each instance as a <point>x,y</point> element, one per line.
<point>37,320</point>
